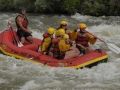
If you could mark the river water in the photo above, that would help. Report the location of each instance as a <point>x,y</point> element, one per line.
<point>17,74</point>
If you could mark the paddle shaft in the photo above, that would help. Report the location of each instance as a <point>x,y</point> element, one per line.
<point>96,37</point>
<point>111,46</point>
<point>16,41</point>
<point>13,38</point>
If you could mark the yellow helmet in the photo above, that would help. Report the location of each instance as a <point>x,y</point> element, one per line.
<point>51,30</point>
<point>66,36</point>
<point>61,31</point>
<point>63,22</point>
<point>82,25</point>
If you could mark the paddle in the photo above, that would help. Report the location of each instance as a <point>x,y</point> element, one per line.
<point>15,38</point>
<point>111,46</point>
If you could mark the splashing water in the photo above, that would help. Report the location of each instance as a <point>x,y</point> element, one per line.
<point>17,74</point>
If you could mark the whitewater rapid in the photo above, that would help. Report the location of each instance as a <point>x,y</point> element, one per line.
<point>17,74</point>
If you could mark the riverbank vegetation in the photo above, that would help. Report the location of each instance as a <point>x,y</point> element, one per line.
<point>84,7</point>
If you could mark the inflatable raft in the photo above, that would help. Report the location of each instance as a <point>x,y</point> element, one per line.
<point>8,38</point>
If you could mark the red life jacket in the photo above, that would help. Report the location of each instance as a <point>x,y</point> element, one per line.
<point>45,35</point>
<point>82,39</point>
<point>55,46</point>
<point>24,23</point>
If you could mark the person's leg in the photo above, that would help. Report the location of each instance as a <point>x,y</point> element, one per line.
<point>21,35</point>
<point>75,49</point>
<point>71,54</point>
<point>88,49</point>
<point>30,39</point>
<point>22,40</point>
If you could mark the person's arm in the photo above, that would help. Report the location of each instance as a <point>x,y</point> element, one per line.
<point>63,46</point>
<point>73,35</point>
<point>56,33</point>
<point>19,22</point>
<point>91,38</point>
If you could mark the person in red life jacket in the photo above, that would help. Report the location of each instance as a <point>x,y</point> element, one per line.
<point>58,35</point>
<point>66,48</point>
<point>83,38</point>
<point>63,25</point>
<point>47,39</point>
<point>62,46</point>
<point>22,26</point>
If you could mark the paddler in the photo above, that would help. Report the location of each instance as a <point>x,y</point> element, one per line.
<point>62,48</point>
<point>47,40</point>
<point>83,38</point>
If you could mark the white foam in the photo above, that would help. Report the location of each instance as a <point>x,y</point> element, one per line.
<point>30,85</point>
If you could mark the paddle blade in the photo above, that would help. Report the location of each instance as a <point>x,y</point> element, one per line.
<point>113,48</point>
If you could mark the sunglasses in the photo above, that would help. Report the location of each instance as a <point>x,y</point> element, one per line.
<point>64,25</point>
<point>82,28</point>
